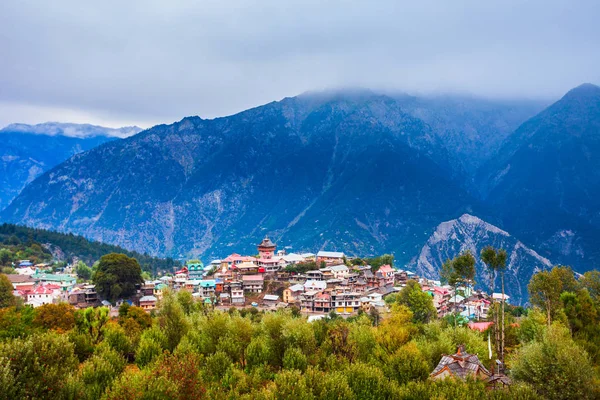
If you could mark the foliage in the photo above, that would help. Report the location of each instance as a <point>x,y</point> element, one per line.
<point>183,351</point>
<point>73,246</point>
<point>418,302</point>
<point>117,276</point>
<point>39,364</point>
<point>59,317</point>
<point>546,287</point>
<point>555,366</point>
<point>7,299</point>
<point>83,271</point>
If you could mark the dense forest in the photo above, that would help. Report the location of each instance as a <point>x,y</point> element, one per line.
<point>185,350</point>
<point>28,243</point>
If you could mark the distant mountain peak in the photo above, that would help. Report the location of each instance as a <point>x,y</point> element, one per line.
<point>72,130</point>
<point>584,91</point>
<point>471,233</point>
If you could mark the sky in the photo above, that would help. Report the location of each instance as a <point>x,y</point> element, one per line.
<point>143,62</point>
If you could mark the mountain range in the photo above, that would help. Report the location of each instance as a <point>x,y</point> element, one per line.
<point>344,170</point>
<point>27,151</point>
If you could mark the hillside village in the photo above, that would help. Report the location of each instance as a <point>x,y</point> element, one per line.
<point>270,281</point>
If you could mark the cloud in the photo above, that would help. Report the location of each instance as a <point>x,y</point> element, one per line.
<point>143,62</point>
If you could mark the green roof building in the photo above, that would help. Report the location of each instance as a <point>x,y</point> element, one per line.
<point>195,269</point>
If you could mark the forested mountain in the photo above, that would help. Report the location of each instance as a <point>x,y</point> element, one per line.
<point>545,183</point>
<point>348,171</point>
<point>66,247</point>
<point>27,151</point>
<point>342,170</point>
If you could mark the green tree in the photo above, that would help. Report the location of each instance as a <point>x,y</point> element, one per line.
<point>92,321</point>
<point>579,310</point>
<point>495,260</point>
<point>117,276</point>
<point>591,282</point>
<point>555,366</point>
<point>419,302</point>
<point>459,270</point>
<point>545,288</point>
<point>83,271</point>
<point>7,299</point>
<point>39,364</point>
<point>6,257</point>
<point>171,320</point>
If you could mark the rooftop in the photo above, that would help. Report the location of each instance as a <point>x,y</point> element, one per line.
<point>330,254</point>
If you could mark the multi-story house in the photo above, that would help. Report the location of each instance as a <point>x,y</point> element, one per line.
<point>345,302</point>
<point>253,283</point>
<point>322,302</point>
<point>290,295</point>
<point>385,274</point>
<point>330,257</point>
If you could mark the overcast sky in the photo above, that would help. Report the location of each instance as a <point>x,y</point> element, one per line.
<point>145,62</point>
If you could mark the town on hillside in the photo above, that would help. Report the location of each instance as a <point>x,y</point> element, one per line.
<point>316,284</point>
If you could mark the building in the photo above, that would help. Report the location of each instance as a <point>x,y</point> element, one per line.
<point>266,248</point>
<point>252,283</point>
<point>84,296</point>
<point>330,257</point>
<point>322,302</point>
<point>345,302</point>
<point>66,282</point>
<point>247,267</point>
<point>270,300</point>
<point>386,274</point>
<point>237,296</point>
<point>207,288</point>
<point>290,295</point>
<point>195,269</point>
<point>148,303</point>
<point>22,282</point>
<point>315,285</point>
<point>39,296</point>
<point>339,271</point>
<point>315,275</point>
<point>460,365</point>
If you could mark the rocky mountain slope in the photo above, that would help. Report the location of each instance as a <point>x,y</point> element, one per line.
<point>472,129</point>
<point>544,185</point>
<point>27,151</point>
<point>471,233</point>
<point>348,171</point>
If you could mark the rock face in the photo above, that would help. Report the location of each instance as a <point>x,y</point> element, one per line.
<point>349,171</point>
<point>27,151</point>
<point>544,185</point>
<point>473,234</point>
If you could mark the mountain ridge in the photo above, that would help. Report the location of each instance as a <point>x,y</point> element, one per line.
<point>470,233</point>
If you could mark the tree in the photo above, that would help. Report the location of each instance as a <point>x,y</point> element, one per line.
<point>545,288</point>
<point>58,317</point>
<point>419,302</point>
<point>91,321</point>
<point>579,310</point>
<point>555,366</point>
<point>171,320</point>
<point>459,270</point>
<point>5,257</point>
<point>495,260</point>
<point>83,271</point>
<point>39,364</point>
<point>117,276</point>
<point>7,299</point>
